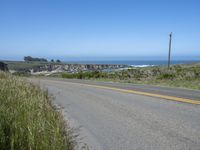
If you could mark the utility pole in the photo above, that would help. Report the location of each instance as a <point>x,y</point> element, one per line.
<point>170,43</point>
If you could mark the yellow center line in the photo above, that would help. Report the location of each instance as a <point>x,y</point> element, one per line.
<point>173,98</point>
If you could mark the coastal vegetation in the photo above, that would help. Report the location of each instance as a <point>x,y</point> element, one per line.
<point>23,68</point>
<point>28,120</point>
<point>186,76</point>
<point>29,58</point>
<point>3,66</point>
<point>28,68</point>
<point>32,59</point>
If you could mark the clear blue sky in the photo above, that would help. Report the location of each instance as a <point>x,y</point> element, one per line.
<point>86,29</point>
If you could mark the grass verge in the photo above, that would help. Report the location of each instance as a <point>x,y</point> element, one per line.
<point>184,76</point>
<point>28,120</point>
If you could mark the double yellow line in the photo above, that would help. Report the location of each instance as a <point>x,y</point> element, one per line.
<point>173,98</point>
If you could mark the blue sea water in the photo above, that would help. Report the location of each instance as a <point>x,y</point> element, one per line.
<point>137,63</point>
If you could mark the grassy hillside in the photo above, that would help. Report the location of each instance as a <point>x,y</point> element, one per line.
<point>186,76</point>
<point>28,119</point>
<point>22,65</point>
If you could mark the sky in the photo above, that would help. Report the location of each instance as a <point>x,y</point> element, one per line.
<point>99,29</point>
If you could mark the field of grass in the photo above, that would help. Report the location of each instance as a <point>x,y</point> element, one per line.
<point>184,76</point>
<point>28,120</point>
<point>22,65</point>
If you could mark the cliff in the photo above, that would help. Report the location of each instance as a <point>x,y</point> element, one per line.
<point>73,68</point>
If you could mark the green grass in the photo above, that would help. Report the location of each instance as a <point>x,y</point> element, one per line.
<point>28,120</point>
<point>25,66</point>
<point>85,75</point>
<point>21,65</point>
<point>184,76</point>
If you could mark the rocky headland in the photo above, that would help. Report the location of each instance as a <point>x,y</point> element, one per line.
<point>73,68</point>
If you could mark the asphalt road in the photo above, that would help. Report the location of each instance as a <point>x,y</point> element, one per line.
<point>114,120</point>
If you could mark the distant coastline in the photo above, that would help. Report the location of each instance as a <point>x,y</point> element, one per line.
<point>134,63</point>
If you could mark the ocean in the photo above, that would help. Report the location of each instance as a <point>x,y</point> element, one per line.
<point>136,63</point>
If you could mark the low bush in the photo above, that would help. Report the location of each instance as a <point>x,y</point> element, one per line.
<point>177,75</point>
<point>85,75</point>
<point>166,76</point>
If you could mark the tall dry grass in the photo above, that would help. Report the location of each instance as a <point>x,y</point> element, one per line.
<point>28,119</point>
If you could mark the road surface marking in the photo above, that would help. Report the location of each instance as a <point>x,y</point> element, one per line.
<point>173,98</point>
<point>185,100</point>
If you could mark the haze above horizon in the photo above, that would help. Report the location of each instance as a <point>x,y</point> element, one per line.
<point>99,29</point>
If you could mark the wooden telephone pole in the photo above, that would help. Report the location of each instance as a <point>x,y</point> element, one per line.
<point>170,43</point>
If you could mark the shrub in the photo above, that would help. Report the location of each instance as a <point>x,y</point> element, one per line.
<point>85,75</point>
<point>166,76</point>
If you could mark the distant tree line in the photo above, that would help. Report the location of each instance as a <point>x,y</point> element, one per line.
<point>29,58</point>
<point>58,61</point>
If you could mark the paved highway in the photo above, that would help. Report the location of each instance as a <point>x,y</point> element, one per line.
<point>118,120</point>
